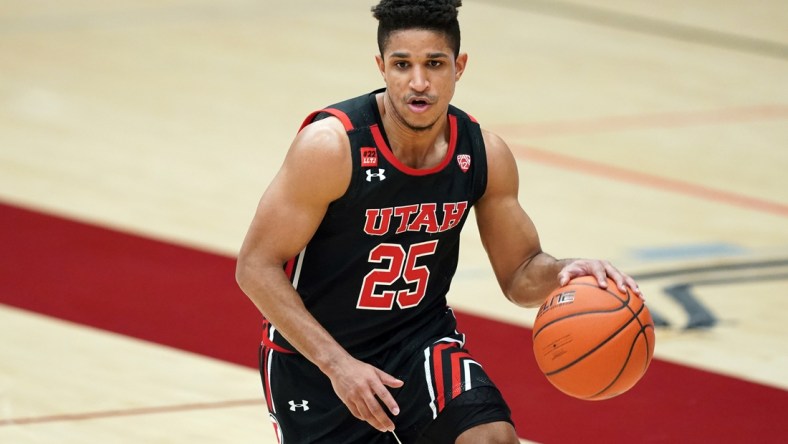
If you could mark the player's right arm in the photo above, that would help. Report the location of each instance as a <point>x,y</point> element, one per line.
<point>525,273</point>
<point>315,172</point>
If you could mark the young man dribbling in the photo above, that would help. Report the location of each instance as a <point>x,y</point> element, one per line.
<point>355,242</point>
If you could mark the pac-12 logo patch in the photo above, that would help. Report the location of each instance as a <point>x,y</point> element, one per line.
<point>464,160</point>
<point>369,157</point>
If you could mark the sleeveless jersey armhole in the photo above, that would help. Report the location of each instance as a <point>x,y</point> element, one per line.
<point>479,151</point>
<point>355,156</point>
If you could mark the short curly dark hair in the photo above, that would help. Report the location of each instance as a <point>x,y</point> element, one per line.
<point>433,15</point>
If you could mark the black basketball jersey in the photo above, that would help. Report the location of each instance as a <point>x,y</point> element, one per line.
<point>379,266</point>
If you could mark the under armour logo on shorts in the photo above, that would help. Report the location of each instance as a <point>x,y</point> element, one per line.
<point>303,405</point>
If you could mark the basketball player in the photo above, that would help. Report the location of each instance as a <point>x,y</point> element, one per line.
<point>354,244</point>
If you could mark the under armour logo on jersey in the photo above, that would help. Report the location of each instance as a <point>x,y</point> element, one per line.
<point>379,175</point>
<point>464,160</point>
<point>304,405</point>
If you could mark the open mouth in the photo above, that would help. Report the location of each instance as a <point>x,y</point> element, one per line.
<point>418,104</point>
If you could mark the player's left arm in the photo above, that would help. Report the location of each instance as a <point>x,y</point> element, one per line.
<point>525,273</point>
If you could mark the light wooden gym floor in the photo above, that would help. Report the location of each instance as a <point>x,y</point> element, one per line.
<point>652,135</point>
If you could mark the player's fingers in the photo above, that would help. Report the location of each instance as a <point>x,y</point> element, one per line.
<point>358,409</point>
<point>385,397</point>
<point>361,411</point>
<point>601,273</point>
<point>389,380</point>
<point>618,277</point>
<point>563,277</point>
<point>631,283</point>
<point>376,416</point>
<point>622,280</point>
<point>568,273</point>
<point>354,410</point>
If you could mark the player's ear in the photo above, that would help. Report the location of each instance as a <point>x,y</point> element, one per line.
<point>459,65</point>
<point>381,65</point>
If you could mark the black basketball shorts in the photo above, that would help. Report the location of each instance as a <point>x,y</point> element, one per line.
<point>445,393</point>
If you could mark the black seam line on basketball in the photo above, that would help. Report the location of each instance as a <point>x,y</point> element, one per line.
<point>651,26</point>
<point>536,332</point>
<point>639,311</point>
<point>626,361</point>
<point>623,366</point>
<point>645,327</point>
<point>625,304</point>
<point>598,346</point>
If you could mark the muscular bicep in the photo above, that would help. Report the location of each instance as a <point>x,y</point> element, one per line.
<point>507,232</point>
<point>316,171</point>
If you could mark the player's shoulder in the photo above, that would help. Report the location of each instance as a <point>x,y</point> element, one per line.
<point>491,138</point>
<point>327,132</point>
<point>502,173</point>
<point>320,153</point>
<point>495,146</point>
<point>325,140</point>
<point>493,143</point>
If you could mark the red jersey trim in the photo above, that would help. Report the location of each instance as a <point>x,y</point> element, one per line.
<point>264,354</point>
<point>334,112</point>
<point>268,343</point>
<point>289,266</point>
<point>389,155</point>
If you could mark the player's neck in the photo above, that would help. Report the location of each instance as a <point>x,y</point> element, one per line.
<point>421,148</point>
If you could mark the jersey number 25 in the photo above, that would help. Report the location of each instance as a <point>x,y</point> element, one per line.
<point>401,264</point>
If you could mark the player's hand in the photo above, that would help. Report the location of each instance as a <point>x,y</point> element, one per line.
<point>601,270</point>
<point>360,386</point>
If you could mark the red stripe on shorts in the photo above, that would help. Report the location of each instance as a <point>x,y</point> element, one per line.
<point>437,370</point>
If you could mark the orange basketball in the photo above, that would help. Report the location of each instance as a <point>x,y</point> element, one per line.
<point>593,343</point>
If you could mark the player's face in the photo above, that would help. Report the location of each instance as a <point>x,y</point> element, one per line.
<point>420,72</point>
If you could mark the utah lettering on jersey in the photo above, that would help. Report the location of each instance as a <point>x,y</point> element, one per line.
<point>416,217</point>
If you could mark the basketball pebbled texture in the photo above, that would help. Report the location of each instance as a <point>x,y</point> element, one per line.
<point>593,343</point>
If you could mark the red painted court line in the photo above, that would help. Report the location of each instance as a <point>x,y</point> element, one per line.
<point>70,270</point>
<point>648,180</point>
<point>646,121</point>
<point>131,412</point>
